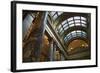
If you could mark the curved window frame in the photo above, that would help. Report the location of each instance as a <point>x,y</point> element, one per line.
<point>75,33</point>
<point>71,22</point>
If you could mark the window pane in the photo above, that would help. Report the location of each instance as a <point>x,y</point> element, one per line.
<point>83,18</point>
<point>71,25</point>
<point>71,22</point>
<point>79,34</point>
<point>70,19</point>
<point>66,39</point>
<point>65,25</point>
<point>83,25</point>
<point>83,22</point>
<point>64,22</point>
<point>83,33</point>
<point>77,24</point>
<point>73,33</point>
<point>69,35</point>
<point>77,21</point>
<point>77,17</point>
<point>66,28</point>
<point>78,31</point>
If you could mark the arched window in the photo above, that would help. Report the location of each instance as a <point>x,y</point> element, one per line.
<point>76,33</point>
<point>71,22</point>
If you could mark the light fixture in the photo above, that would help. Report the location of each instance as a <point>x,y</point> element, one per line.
<point>71,48</point>
<point>82,45</point>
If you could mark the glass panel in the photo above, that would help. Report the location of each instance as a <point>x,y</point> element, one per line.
<point>70,19</point>
<point>77,17</point>
<point>78,31</point>
<point>77,24</point>
<point>83,18</point>
<point>65,38</point>
<point>77,21</point>
<point>66,28</point>
<point>69,35</point>
<point>83,25</point>
<point>73,33</point>
<point>83,33</point>
<point>78,34</point>
<point>74,36</point>
<point>64,22</point>
<point>71,25</point>
<point>71,22</point>
<point>65,25</point>
<point>83,22</point>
